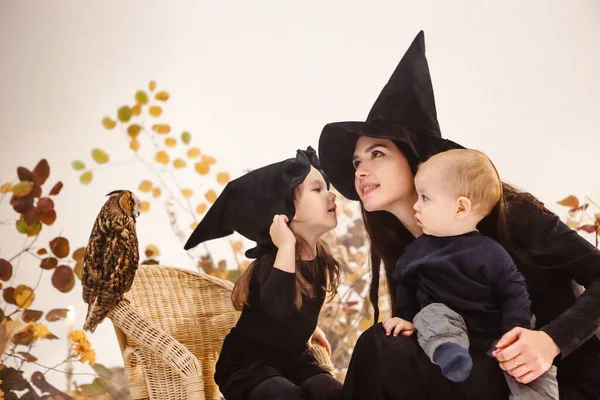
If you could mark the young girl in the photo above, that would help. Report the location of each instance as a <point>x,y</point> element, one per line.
<point>285,208</point>
<point>458,288</point>
<point>374,162</point>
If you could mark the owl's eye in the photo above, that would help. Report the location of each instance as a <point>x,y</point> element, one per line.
<point>131,204</point>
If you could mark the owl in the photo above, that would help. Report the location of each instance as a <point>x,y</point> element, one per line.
<point>111,256</point>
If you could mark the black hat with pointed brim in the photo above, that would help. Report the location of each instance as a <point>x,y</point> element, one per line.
<point>404,112</point>
<point>248,204</point>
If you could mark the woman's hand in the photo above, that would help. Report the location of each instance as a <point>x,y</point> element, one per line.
<point>526,354</point>
<point>397,325</point>
<point>280,232</point>
<point>320,337</point>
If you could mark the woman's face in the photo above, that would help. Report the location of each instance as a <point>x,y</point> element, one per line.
<point>382,174</point>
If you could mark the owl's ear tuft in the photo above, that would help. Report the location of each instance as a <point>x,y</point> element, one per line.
<point>114,192</point>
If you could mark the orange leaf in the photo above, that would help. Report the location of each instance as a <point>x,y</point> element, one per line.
<point>152,251</point>
<point>134,144</point>
<point>63,279</point>
<point>79,254</point>
<point>6,270</point>
<point>145,186</point>
<point>193,225</point>
<point>60,247</point>
<point>211,196</point>
<point>152,86</point>
<point>22,189</point>
<point>202,168</point>
<point>223,178</point>
<point>201,209</point>
<point>208,159</point>
<point>23,296</point>
<point>170,142</point>
<point>144,206</point>
<point>162,96</point>
<point>237,246</point>
<point>7,187</point>
<point>179,163</point>
<point>155,111</point>
<point>187,193</point>
<point>570,201</point>
<point>162,157</point>
<point>156,192</point>
<point>162,129</point>
<point>193,152</point>
<point>137,109</point>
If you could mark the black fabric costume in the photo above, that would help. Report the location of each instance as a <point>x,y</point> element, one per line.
<point>548,254</point>
<point>472,275</point>
<point>270,337</point>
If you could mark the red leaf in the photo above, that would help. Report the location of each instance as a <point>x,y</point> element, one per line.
<point>32,216</point>
<point>36,191</point>
<point>24,174</point>
<point>45,204</point>
<point>588,228</point>
<point>41,172</point>
<point>56,189</point>
<point>57,314</point>
<point>60,246</point>
<point>31,315</point>
<point>63,278</point>
<point>48,218</point>
<point>8,295</point>
<point>22,204</point>
<point>49,263</point>
<point>6,270</point>
<point>29,357</point>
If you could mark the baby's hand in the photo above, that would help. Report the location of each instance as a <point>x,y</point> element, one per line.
<point>397,325</point>
<point>280,232</point>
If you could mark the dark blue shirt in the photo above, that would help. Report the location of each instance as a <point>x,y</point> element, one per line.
<point>472,274</point>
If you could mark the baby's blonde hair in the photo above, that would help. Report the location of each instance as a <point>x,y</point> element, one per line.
<point>471,174</point>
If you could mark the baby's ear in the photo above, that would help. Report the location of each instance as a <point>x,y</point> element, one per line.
<point>463,206</point>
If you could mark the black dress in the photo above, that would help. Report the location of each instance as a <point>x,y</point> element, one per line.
<point>388,367</point>
<point>271,335</point>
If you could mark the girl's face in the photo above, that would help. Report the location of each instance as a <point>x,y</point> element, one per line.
<point>315,207</point>
<point>382,174</point>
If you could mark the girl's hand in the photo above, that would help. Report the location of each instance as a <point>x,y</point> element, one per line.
<point>280,232</point>
<point>319,337</point>
<point>526,354</point>
<point>397,325</point>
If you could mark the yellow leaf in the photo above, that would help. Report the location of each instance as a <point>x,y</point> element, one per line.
<point>124,114</point>
<point>364,324</point>
<point>156,192</point>
<point>141,97</point>
<point>145,186</point>
<point>155,111</point>
<point>109,123</point>
<point>144,206</point>
<point>100,156</point>
<point>7,187</point>
<point>134,144</point>
<point>162,129</point>
<point>237,246</point>
<point>170,142</point>
<point>223,178</point>
<point>86,177</point>
<point>201,209</point>
<point>22,189</point>
<point>179,163</point>
<point>162,96</point>
<point>137,109</point>
<point>208,159</point>
<point>193,225</point>
<point>162,157</point>
<point>202,168</point>
<point>187,193</point>
<point>24,296</point>
<point>211,196</point>
<point>152,251</point>
<point>193,152</point>
<point>134,130</point>
<point>152,86</point>
<point>186,137</point>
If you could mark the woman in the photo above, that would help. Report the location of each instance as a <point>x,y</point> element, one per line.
<point>374,162</point>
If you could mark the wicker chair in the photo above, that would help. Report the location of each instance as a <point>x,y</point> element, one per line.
<point>171,330</point>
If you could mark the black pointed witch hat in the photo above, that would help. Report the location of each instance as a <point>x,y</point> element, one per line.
<point>404,112</point>
<point>247,204</point>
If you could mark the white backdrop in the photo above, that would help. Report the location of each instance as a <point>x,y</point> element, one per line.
<point>253,81</point>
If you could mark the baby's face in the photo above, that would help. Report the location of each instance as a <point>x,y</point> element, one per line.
<point>437,205</point>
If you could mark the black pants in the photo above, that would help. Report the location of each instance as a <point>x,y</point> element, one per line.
<point>317,387</point>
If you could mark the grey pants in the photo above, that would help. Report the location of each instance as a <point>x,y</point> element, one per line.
<point>437,324</point>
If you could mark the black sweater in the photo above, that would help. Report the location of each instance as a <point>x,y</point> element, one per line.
<point>471,274</point>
